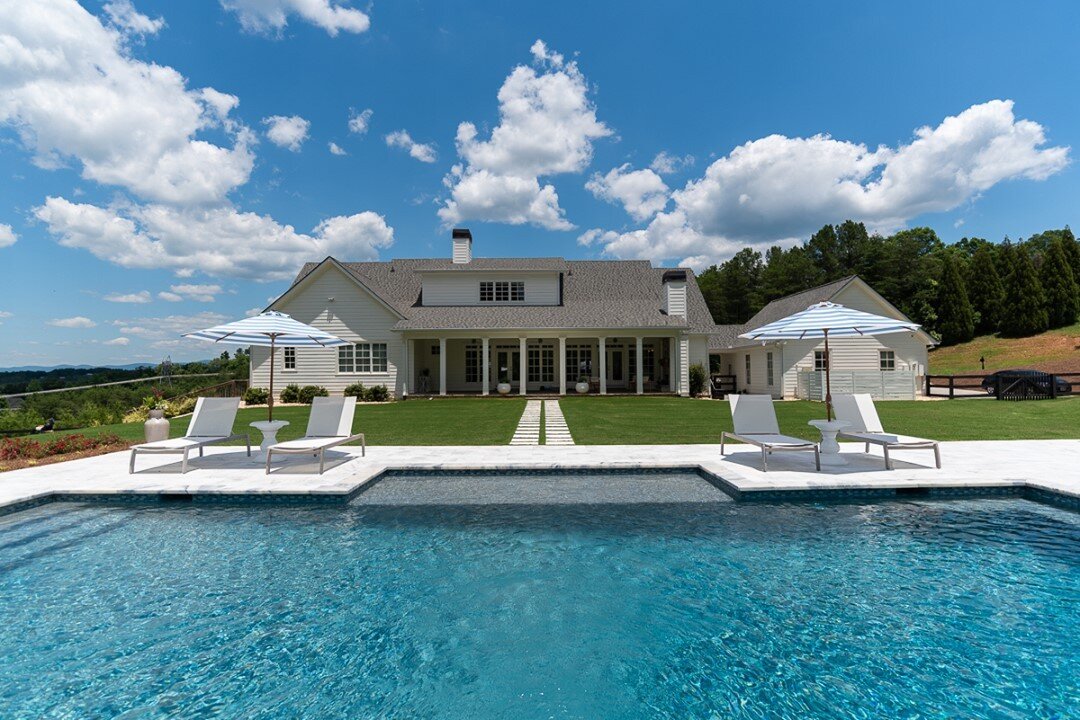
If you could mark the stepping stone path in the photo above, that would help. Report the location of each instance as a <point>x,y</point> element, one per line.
<point>528,429</point>
<point>555,430</point>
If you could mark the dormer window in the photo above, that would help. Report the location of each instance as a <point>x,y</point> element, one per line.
<point>501,291</point>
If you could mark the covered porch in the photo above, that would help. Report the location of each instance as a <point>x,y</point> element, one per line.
<point>545,364</point>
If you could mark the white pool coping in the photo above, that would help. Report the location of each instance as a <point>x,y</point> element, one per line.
<point>1049,465</point>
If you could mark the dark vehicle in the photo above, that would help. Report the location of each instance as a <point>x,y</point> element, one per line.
<point>1039,378</point>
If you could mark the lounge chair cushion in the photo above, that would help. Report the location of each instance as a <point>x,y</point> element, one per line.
<point>885,438</point>
<point>771,439</point>
<point>180,443</point>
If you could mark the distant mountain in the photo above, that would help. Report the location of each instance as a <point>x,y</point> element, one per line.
<point>47,368</point>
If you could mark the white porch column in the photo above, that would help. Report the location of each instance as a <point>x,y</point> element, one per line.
<point>442,366</point>
<point>522,365</point>
<point>562,366</point>
<point>673,368</point>
<point>485,373</point>
<point>603,365</point>
<point>640,368</point>
<point>410,366</point>
<point>684,367</point>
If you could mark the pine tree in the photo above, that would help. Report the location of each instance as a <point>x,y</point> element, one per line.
<point>1059,286</point>
<point>1072,251</point>
<point>985,289</point>
<point>1023,312</point>
<point>956,320</point>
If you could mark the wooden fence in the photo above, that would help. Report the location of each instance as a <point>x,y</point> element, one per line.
<point>1004,386</point>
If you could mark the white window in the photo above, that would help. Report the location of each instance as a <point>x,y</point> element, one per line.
<point>887,360</point>
<point>541,365</point>
<point>502,291</point>
<point>472,364</point>
<point>487,291</point>
<point>290,358</point>
<point>819,360</point>
<point>362,358</point>
<point>578,361</point>
<point>769,369</point>
<point>748,380</point>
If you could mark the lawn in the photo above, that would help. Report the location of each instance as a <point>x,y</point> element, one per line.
<point>664,420</point>
<point>1052,351</point>
<point>443,421</point>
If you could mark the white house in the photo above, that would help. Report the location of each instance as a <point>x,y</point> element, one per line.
<point>463,324</point>
<point>887,366</point>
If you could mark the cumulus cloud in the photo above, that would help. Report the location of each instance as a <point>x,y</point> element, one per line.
<point>4,315</point>
<point>72,322</point>
<point>336,149</point>
<point>778,189</point>
<point>170,296</point>
<point>121,341</point>
<point>217,241</point>
<point>642,193</point>
<point>143,296</point>
<point>198,293</point>
<point>287,132</point>
<point>359,122</point>
<point>7,236</point>
<point>170,326</point>
<point>665,163</point>
<point>547,126</point>
<point>271,16</point>
<point>420,151</point>
<point>72,91</point>
<point>124,17</point>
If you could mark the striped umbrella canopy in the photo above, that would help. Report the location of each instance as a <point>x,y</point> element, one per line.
<point>825,320</point>
<point>269,329</point>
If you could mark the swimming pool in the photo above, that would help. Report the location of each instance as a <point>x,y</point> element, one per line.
<point>485,597</point>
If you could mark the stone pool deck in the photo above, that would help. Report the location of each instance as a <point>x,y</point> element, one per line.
<point>1047,466</point>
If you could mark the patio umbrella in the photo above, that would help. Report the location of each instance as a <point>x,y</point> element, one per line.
<point>825,320</point>
<point>269,329</point>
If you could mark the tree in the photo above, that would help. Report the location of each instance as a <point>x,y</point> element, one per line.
<point>956,320</point>
<point>740,281</point>
<point>1059,286</point>
<point>1072,251</point>
<point>1023,312</point>
<point>709,284</point>
<point>786,272</point>
<point>824,251</point>
<point>985,289</point>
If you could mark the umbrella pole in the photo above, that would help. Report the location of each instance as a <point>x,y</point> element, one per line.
<point>270,400</point>
<point>828,382</point>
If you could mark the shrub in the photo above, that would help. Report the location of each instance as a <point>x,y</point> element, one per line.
<point>355,390</point>
<point>256,396</point>
<point>180,406</point>
<point>291,394</point>
<point>310,392</point>
<point>31,449</point>
<point>377,393</point>
<point>697,379</point>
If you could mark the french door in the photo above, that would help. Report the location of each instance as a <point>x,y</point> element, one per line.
<point>507,366</point>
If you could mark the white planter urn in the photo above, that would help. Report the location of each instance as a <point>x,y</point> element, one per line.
<point>156,427</point>
<point>582,388</point>
<point>503,388</point>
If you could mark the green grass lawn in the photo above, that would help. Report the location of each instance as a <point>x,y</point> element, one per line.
<point>666,420</point>
<point>444,421</point>
<point>1053,351</point>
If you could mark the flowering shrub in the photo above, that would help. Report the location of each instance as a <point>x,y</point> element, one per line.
<point>29,448</point>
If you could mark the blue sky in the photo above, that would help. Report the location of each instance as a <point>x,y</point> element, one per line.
<point>135,205</point>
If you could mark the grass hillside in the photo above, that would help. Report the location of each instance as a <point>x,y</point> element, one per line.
<point>1054,351</point>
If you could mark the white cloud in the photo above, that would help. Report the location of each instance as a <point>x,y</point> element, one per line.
<point>72,322</point>
<point>70,88</point>
<point>642,193</point>
<point>287,132</point>
<point>252,312</point>
<point>118,341</point>
<point>419,151</point>
<point>123,15</point>
<point>219,241</point>
<point>198,293</point>
<point>170,296</point>
<point>547,125</point>
<point>7,236</point>
<point>170,326</point>
<point>777,189</point>
<point>359,122</point>
<point>142,296</point>
<point>336,149</point>
<point>271,16</point>
<point>4,315</point>
<point>665,163</point>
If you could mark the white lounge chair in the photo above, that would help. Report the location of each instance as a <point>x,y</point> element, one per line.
<point>864,426</point>
<point>329,425</point>
<point>211,423</point>
<point>755,423</point>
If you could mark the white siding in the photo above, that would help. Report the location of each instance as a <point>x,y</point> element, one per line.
<point>463,287</point>
<point>354,315</point>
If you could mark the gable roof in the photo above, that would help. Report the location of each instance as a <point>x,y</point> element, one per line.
<point>601,294</point>
<point>796,302</point>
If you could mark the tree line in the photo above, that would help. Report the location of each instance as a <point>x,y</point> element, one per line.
<point>971,287</point>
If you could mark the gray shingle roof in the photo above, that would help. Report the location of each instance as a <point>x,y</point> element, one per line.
<point>602,294</point>
<point>791,304</point>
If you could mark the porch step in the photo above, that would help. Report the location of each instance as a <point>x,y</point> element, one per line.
<point>528,429</point>
<point>555,430</point>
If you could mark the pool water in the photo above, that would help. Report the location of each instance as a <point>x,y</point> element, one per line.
<point>403,604</point>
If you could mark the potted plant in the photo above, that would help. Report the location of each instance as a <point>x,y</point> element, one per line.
<point>504,381</point>
<point>582,386</point>
<point>156,426</point>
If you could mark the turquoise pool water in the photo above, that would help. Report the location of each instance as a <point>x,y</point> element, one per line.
<point>403,605</point>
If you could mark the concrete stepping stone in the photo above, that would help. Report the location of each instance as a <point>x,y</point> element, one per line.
<point>555,430</point>
<point>528,429</point>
